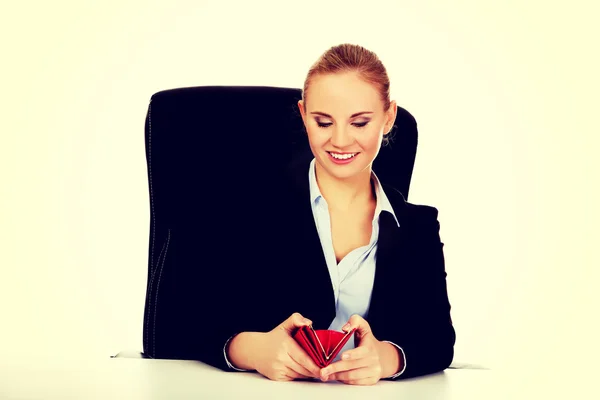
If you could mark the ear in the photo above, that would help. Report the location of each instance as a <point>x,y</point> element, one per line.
<point>391,116</point>
<point>302,110</point>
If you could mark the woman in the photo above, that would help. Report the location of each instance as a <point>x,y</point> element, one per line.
<point>372,261</point>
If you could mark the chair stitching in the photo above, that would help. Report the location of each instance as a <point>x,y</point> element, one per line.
<point>150,291</point>
<point>151,189</point>
<point>156,297</point>
<point>152,271</point>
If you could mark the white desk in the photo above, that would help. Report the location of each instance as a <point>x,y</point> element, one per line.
<point>132,379</point>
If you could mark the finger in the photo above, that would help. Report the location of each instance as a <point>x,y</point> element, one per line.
<point>354,375</point>
<point>362,327</point>
<point>299,356</point>
<point>294,321</point>
<point>356,353</point>
<point>357,322</point>
<point>361,382</point>
<point>299,369</point>
<point>292,374</point>
<point>345,365</point>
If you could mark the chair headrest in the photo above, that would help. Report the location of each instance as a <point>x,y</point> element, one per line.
<point>203,135</point>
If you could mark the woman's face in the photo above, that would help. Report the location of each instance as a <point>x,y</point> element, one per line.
<point>345,123</point>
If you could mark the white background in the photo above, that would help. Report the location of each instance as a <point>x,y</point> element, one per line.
<point>505,95</point>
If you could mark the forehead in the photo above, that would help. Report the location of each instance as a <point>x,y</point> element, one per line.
<point>342,93</point>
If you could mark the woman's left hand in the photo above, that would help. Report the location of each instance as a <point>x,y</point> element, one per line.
<point>361,365</point>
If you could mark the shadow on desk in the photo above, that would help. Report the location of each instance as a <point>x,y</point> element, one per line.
<point>137,354</point>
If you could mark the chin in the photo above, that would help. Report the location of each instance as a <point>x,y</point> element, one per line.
<point>342,171</point>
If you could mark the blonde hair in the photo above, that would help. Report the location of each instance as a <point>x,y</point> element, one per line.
<point>348,57</point>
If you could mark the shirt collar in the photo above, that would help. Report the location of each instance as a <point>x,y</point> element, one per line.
<point>383,203</point>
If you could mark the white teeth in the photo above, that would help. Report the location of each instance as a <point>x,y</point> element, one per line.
<point>342,156</point>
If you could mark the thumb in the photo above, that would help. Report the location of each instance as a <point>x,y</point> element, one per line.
<point>363,329</point>
<point>294,321</point>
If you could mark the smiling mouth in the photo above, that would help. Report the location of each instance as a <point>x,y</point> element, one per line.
<point>342,156</point>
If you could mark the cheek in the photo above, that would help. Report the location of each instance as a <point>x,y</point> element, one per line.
<point>371,142</point>
<point>315,138</point>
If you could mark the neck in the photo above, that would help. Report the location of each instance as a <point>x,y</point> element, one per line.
<point>343,194</point>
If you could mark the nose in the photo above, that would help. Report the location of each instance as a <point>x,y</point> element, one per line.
<point>340,138</point>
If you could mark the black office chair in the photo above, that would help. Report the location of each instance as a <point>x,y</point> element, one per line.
<point>197,136</point>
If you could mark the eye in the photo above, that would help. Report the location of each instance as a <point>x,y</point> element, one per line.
<point>358,124</point>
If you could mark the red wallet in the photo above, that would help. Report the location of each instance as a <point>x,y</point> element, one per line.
<point>321,345</point>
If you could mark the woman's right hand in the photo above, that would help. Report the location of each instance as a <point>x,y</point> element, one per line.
<point>276,354</point>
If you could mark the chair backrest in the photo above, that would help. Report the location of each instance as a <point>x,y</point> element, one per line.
<point>199,138</point>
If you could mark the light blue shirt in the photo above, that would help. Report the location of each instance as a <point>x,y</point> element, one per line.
<point>352,278</point>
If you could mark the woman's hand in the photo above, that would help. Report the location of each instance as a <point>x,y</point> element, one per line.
<point>366,364</point>
<point>276,354</point>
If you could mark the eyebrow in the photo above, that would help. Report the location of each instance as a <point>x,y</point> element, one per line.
<point>352,116</point>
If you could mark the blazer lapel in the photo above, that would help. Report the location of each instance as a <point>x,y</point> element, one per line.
<point>317,300</point>
<point>390,251</point>
<point>390,234</point>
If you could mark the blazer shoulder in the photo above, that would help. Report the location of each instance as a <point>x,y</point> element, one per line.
<point>422,211</point>
<point>404,209</point>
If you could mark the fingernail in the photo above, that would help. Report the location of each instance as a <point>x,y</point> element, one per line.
<point>345,356</point>
<point>307,321</point>
<point>325,372</point>
<point>346,327</point>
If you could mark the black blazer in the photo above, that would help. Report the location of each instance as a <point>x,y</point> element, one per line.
<point>257,268</point>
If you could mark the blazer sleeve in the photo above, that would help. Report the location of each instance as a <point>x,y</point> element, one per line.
<point>420,322</point>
